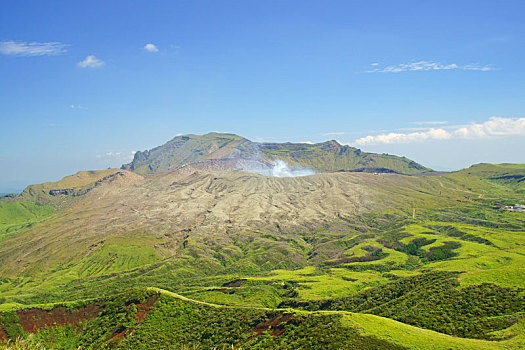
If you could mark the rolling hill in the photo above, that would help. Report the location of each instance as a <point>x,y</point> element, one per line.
<point>183,247</point>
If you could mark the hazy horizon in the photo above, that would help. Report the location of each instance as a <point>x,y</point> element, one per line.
<point>114,164</point>
<point>84,85</point>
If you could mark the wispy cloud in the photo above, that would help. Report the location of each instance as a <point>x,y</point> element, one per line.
<point>335,133</point>
<point>19,48</point>
<point>428,66</point>
<point>495,126</point>
<point>151,48</point>
<point>90,62</point>
<point>432,122</point>
<point>77,107</point>
<point>117,156</point>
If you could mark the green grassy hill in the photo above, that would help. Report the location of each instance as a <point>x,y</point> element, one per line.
<point>15,216</point>
<point>384,260</point>
<point>186,149</point>
<point>497,179</point>
<point>143,319</point>
<point>331,156</point>
<point>240,153</point>
<point>38,202</point>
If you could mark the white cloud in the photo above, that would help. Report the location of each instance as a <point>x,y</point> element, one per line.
<point>117,156</point>
<point>335,133</point>
<point>130,157</point>
<point>90,62</point>
<point>15,48</point>
<point>428,66</point>
<point>495,126</point>
<point>151,48</point>
<point>77,107</point>
<point>435,122</point>
<point>404,137</point>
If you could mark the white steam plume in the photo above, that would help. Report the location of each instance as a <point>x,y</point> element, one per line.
<point>281,169</point>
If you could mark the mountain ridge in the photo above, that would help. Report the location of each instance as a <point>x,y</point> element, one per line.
<point>242,154</point>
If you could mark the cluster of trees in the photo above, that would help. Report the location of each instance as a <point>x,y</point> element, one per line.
<point>433,301</point>
<point>454,232</point>
<point>118,317</point>
<point>174,322</point>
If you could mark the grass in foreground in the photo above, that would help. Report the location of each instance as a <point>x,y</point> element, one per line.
<point>163,320</point>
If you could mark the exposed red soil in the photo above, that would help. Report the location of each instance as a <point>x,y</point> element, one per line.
<point>33,319</point>
<point>119,333</point>
<point>144,308</point>
<point>3,336</point>
<point>142,311</point>
<point>276,324</point>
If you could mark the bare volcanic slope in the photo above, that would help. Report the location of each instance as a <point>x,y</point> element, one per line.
<point>127,223</point>
<point>235,152</point>
<point>417,249</point>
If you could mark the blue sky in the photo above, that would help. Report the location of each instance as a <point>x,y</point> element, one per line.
<point>84,84</point>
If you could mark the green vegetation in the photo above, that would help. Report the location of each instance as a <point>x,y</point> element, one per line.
<point>433,301</point>
<point>358,260</point>
<point>143,319</point>
<point>331,156</point>
<point>454,232</point>
<point>28,343</point>
<point>15,216</point>
<point>238,152</point>
<point>10,326</point>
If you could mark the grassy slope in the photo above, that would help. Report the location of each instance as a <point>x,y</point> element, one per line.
<point>35,203</point>
<point>504,181</point>
<point>15,216</point>
<point>189,148</point>
<point>500,263</point>
<point>80,182</point>
<point>331,156</point>
<point>178,321</point>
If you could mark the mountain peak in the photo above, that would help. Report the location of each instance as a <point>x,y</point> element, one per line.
<point>235,152</point>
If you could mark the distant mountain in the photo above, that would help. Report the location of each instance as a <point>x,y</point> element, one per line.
<point>504,175</point>
<point>233,151</point>
<point>59,194</point>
